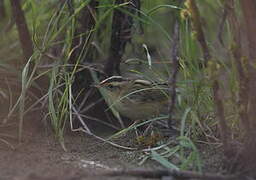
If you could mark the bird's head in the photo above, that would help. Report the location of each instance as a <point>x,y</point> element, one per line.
<point>115,84</point>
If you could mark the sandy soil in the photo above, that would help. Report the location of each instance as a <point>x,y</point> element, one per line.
<point>41,155</point>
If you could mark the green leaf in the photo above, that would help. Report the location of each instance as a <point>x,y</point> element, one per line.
<point>163,161</point>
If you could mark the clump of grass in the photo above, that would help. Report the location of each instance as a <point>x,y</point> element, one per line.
<point>53,28</point>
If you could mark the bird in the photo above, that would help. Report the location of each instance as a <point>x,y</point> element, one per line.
<point>136,99</point>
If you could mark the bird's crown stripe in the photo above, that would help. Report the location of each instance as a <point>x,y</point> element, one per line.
<point>113,79</point>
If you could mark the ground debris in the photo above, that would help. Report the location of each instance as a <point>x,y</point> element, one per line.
<point>174,174</point>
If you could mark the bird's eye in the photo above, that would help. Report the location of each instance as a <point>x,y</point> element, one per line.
<point>110,86</point>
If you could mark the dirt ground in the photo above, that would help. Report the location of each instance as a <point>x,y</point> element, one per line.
<point>41,157</point>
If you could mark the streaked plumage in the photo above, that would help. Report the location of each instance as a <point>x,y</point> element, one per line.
<point>136,99</point>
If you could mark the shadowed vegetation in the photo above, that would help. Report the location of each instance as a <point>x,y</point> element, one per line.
<point>199,54</point>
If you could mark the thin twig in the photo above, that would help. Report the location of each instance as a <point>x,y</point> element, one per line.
<point>99,121</point>
<point>173,78</point>
<point>244,80</point>
<point>197,25</point>
<point>222,23</point>
<point>7,143</point>
<point>86,130</point>
<point>104,140</point>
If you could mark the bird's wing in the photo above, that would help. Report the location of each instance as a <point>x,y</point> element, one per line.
<point>148,94</point>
